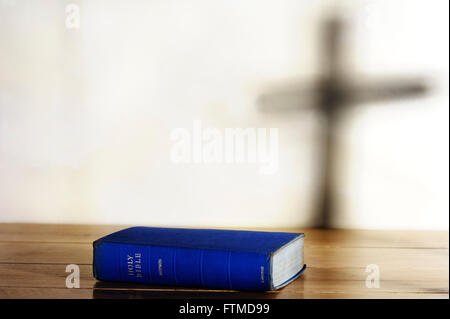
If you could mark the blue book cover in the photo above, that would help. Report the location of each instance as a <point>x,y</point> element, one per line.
<point>208,258</point>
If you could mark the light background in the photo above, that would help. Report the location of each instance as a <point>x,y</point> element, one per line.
<point>86,115</point>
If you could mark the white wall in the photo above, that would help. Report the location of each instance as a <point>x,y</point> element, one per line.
<point>86,115</point>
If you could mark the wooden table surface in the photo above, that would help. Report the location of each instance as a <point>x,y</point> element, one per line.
<point>412,264</point>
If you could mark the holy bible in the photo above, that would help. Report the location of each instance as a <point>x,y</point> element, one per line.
<point>207,258</point>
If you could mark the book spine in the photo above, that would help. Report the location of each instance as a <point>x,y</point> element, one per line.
<point>181,266</point>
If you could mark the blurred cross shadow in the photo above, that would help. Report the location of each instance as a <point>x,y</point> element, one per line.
<point>119,290</point>
<point>331,95</point>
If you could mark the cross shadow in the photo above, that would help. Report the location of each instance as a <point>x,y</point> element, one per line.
<point>334,92</point>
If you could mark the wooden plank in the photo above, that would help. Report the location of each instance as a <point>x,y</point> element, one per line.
<point>42,276</point>
<point>46,253</point>
<point>120,294</point>
<point>35,276</point>
<point>435,274</point>
<point>315,281</point>
<point>54,233</point>
<point>63,293</point>
<point>44,293</point>
<point>385,258</point>
<point>314,237</point>
<point>54,275</point>
<point>323,257</point>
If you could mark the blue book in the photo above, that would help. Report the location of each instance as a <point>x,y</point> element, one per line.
<point>208,258</point>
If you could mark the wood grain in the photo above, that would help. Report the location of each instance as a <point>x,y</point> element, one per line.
<point>413,264</point>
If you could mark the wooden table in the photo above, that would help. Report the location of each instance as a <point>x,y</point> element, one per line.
<point>412,264</point>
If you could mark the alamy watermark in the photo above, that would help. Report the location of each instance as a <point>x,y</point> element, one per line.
<point>73,279</point>
<point>228,146</point>
<point>373,278</point>
<point>72,16</point>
